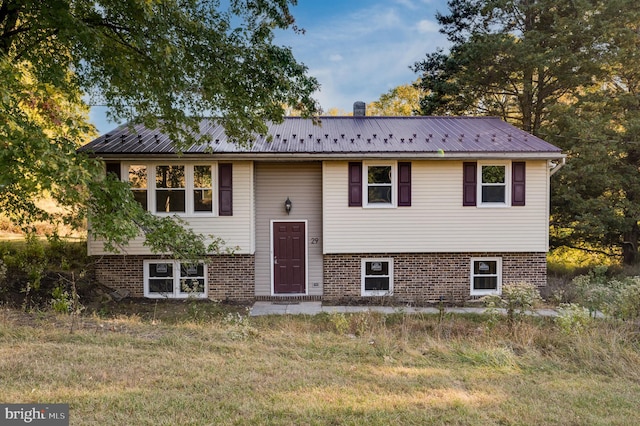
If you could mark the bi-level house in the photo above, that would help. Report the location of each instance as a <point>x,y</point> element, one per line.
<point>353,209</point>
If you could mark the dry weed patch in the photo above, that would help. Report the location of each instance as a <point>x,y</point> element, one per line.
<point>398,369</point>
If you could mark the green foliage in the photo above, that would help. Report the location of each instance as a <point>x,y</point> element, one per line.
<point>340,322</point>
<point>565,71</point>
<point>3,271</point>
<point>567,261</point>
<point>239,326</point>
<point>510,58</point>
<point>516,298</point>
<point>627,303</point>
<point>164,64</point>
<point>573,318</point>
<point>597,196</point>
<point>618,297</point>
<point>61,300</point>
<point>358,324</point>
<point>32,260</point>
<point>403,100</point>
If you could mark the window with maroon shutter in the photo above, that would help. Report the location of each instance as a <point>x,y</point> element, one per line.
<point>225,190</point>
<point>518,178</point>
<point>469,185</point>
<point>404,184</point>
<point>355,184</point>
<point>113,167</point>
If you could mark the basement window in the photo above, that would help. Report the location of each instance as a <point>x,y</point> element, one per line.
<point>486,276</point>
<point>174,279</point>
<point>377,277</point>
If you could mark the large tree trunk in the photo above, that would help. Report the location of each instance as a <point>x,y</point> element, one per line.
<point>630,246</point>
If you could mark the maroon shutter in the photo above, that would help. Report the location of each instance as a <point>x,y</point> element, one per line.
<point>355,184</point>
<point>469,189</point>
<point>404,184</point>
<point>518,178</point>
<point>225,193</point>
<point>113,167</point>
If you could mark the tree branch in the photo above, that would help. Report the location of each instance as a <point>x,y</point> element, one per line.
<point>8,19</point>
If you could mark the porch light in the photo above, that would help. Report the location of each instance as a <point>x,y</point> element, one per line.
<point>287,205</point>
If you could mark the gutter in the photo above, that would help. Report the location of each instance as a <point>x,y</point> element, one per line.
<point>555,167</point>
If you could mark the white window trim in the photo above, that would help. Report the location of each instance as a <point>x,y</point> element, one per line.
<point>363,269</point>
<point>498,290</point>
<point>177,294</point>
<point>189,186</point>
<point>365,184</point>
<point>507,183</point>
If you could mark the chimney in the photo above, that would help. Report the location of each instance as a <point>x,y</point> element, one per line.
<point>359,109</point>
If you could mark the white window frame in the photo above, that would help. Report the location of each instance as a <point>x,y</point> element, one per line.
<point>498,275</point>
<point>189,186</point>
<point>365,184</point>
<point>507,184</point>
<point>363,270</point>
<point>177,293</point>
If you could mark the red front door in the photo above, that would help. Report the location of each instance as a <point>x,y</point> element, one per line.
<point>289,257</point>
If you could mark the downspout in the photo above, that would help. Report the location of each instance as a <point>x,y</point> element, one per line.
<point>554,167</point>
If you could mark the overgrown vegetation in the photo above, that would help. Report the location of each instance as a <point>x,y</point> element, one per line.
<point>381,369</point>
<point>38,271</point>
<point>125,361</point>
<point>517,298</point>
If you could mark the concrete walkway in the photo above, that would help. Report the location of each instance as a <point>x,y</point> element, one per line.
<point>313,308</point>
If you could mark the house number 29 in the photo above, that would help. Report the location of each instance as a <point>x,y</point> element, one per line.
<point>315,240</point>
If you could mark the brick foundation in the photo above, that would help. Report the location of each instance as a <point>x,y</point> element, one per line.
<point>421,278</point>
<point>230,277</point>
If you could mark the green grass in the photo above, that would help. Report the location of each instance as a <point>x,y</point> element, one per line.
<point>299,370</point>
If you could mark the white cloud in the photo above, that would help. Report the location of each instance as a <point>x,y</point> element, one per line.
<point>407,3</point>
<point>360,55</point>
<point>426,26</point>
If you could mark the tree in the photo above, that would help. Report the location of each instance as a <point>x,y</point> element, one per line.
<point>163,63</point>
<point>567,71</point>
<point>511,58</point>
<point>403,100</point>
<point>596,201</point>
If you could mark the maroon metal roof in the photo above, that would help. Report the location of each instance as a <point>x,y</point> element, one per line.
<point>336,136</point>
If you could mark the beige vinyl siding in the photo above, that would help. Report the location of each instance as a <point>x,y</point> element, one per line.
<point>302,183</point>
<point>236,230</point>
<point>436,220</point>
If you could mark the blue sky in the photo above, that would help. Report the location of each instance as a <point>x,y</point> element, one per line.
<point>357,49</point>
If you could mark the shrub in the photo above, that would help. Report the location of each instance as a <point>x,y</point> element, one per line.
<point>516,298</point>
<point>626,305</point>
<point>618,297</point>
<point>239,326</point>
<point>61,301</point>
<point>3,271</point>
<point>573,318</point>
